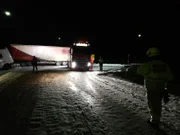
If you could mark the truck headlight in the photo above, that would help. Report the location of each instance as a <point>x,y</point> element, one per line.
<point>73,64</point>
<point>88,64</point>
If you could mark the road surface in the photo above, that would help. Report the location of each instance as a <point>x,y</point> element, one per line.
<point>55,101</point>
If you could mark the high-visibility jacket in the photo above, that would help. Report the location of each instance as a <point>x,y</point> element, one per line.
<point>156,74</point>
<point>100,60</point>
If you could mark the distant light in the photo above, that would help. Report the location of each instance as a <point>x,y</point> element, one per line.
<point>139,35</point>
<point>7,13</point>
<point>59,38</point>
<point>81,44</point>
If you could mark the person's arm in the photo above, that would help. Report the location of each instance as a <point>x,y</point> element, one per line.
<point>143,69</point>
<point>169,75</point>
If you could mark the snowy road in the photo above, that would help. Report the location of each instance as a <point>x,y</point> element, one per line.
<point>60,102</point>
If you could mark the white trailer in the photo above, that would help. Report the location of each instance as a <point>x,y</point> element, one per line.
<point>52,54</point>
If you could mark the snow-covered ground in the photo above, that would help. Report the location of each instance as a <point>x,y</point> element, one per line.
<point>55,101</point>
<point>170,112</point>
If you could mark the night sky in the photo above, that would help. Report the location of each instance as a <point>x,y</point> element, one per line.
<point>111,28</point>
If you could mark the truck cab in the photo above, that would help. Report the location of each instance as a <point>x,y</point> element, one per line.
<point>81,54</point>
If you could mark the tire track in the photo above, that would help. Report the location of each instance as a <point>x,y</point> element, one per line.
<point>59,110</point>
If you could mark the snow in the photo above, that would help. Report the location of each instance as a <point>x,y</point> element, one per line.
<point>86,103</point>
<point>136,95</point>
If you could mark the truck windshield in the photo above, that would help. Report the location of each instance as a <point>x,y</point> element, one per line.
<point>82,50</point>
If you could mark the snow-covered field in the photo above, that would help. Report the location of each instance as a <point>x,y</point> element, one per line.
<point>55,101</point>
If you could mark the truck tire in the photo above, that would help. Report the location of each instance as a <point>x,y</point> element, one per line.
<point>22,64</point>
<point>7,66</point>
<point>29,64</point>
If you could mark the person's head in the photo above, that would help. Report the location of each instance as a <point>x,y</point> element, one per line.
<point>151,52</point>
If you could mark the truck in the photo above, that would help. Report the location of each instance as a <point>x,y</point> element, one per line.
<point>23,54</point>
<point>82,56</point>
<point>77,56</point>
<point>6,60</point>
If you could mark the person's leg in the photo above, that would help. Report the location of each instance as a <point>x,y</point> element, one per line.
<point>155,105</point>
<point>100,67</point>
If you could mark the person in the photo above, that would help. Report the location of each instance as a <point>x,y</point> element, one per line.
<point>34,63</point>
<point>101,63</point>
<point>156,75</point>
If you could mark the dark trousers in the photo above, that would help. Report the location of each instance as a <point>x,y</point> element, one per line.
<point>155,104</point>
<point>35,68</point>
<point>101,66</point>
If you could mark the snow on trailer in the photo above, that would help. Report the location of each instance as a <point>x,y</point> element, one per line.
<point>51,54</point>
